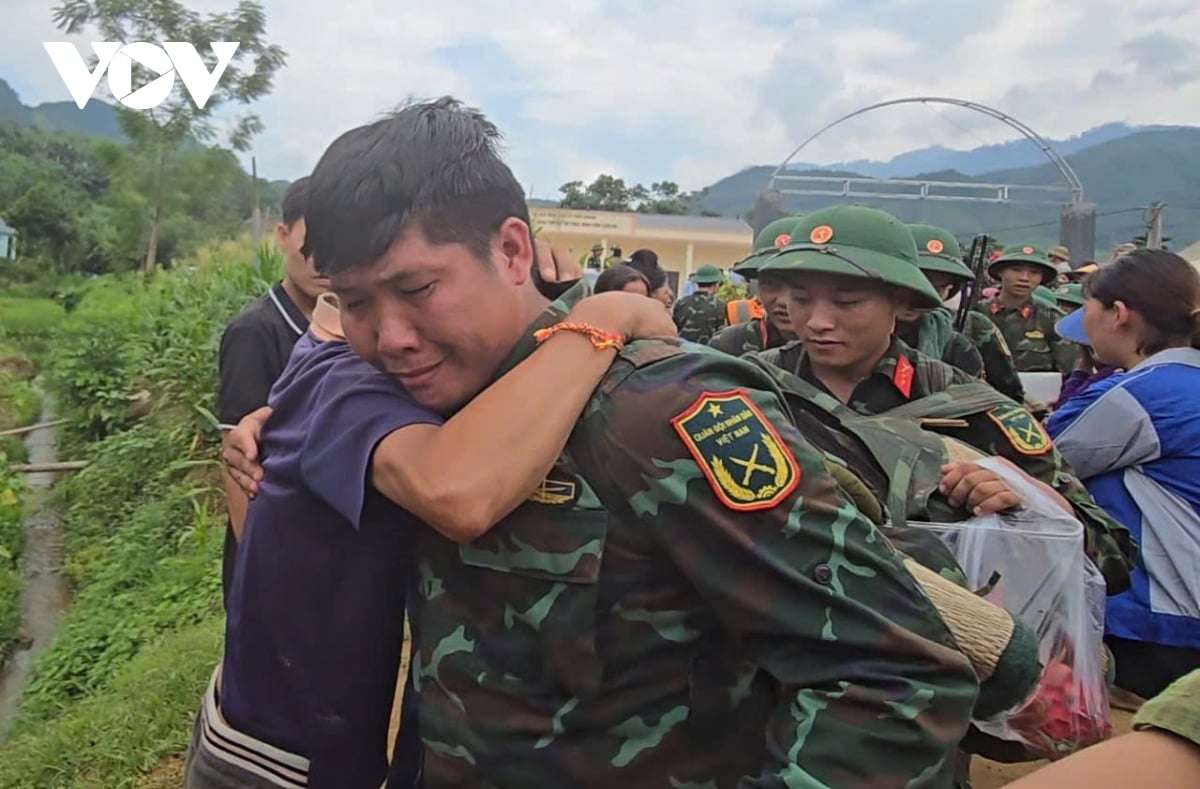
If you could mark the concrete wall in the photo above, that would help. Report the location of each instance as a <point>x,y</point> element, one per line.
<point>680,249</point>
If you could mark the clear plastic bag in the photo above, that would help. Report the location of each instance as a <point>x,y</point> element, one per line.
<point>1031,562</point>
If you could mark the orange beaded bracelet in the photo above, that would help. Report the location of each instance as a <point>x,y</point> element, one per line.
<point>601,340</point>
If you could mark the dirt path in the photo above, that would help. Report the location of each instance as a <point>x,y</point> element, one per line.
<point>992,775</point>
<point>44,594</point>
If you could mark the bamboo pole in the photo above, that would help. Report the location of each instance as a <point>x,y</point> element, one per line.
<point>38,468</point>
<point>20,431</point>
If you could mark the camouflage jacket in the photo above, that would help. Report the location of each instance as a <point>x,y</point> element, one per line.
<point>934,334</point>
<point>688,600</point>
<point>1004,429</point>
<point>756,334</point>
<point>699,316</point>
<point>999,369</point>
<point>1030,334</point>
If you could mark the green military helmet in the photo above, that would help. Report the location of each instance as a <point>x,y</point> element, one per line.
<point>1071,293</point>
<point>707,275</point>
<point>856,241</point>
<point>1044,296</point>
<point>1024,253</point>
<point>597,247</point>
<point>769,240</point>
<point>938,251</point>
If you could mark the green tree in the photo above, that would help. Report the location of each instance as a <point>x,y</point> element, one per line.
<point>161,132</point>
<point>609,193</point>
<point>45,218</point>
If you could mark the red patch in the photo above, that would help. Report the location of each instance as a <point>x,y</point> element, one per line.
<point>1026,311</point>
<point>935,246</point>
<point>995,308</point>
<point>821,234</point>
<point>782,240</point>
<point>1027,250</point>
<point>902,379</point>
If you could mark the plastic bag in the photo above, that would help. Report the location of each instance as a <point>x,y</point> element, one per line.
<point>1031,562</point>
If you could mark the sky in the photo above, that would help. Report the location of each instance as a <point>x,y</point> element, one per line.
<point>692,92</point>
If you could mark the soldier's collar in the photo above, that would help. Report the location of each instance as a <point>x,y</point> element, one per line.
<point>1025,309</point>
<point>553,314</point>
<point>897,368</point>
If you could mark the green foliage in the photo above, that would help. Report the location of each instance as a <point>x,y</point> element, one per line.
<point>730,291</point>
<point>11,539</point>
<point>158,135</point>
<point>111,738</point>
<point>29,316</point>
<point>20,404</point>
<point>608,193</point>
<point>143,524</point>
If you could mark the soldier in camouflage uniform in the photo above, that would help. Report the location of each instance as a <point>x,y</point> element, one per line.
<point>851,269</point>
<point>774,328</point>
<point>1026,323</point>
<point>689,599</point>
<point>702,314</point>
<point>947,274</point>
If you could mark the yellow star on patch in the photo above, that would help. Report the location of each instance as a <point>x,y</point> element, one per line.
<point>746,463</point>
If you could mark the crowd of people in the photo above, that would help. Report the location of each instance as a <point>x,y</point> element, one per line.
<point>657,542</point>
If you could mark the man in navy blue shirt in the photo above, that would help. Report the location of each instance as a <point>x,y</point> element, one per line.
<point>316,608</point>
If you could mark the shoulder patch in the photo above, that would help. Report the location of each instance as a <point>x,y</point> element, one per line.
<point>746,463</point>
<point>1024,433</point>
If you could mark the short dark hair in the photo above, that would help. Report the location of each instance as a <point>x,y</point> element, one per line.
<point>295,201</point>
<point>433,164</point>
<point>644,258</point>
<point>655,275</point>
<point>617,277</point>
<point>1160,286</point>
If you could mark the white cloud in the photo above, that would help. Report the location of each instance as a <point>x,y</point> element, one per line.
<point>696,91</point>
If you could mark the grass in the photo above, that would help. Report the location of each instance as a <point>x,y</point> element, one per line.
<point>29,315</point>
<point>115,738</point>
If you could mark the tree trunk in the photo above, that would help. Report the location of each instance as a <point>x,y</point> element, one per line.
<point>156,210</point>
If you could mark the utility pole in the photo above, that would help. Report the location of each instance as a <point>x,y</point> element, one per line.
<point>1154,230</point>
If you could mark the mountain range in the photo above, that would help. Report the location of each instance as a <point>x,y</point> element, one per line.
<point>1122,168</point>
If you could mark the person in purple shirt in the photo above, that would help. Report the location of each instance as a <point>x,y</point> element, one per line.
<point>352,466</point>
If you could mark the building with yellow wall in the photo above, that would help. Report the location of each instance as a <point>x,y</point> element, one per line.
<point>683,243</point>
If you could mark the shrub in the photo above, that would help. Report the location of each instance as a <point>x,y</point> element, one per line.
<point>134,367</point>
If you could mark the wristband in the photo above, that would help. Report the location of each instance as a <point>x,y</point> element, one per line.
<point>601,340</point>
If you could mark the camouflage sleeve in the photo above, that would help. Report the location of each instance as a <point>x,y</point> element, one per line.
<point>1066,355</point>
<point>960,353</point>
<point>871,690</point>
<point>999,368</point>
<point>728,340</point>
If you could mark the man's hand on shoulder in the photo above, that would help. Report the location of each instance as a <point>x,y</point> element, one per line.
<point>239,450</point>
<point>630,315</point>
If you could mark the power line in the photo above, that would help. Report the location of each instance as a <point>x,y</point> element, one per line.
<point>1055,223</point>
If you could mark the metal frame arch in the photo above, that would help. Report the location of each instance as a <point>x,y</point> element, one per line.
<point>1059,162</point>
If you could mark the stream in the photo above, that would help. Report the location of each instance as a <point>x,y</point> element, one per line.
<point>44,593</point>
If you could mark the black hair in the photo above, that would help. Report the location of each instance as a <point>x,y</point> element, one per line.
<point>617,277</point>
<point>644,258</point>
<point>295,201</point>
<point>1158,285</point>
<point>432,164</point>
<point>654,275</point>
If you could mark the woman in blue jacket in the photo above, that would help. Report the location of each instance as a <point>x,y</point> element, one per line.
<point>1134,439</point>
